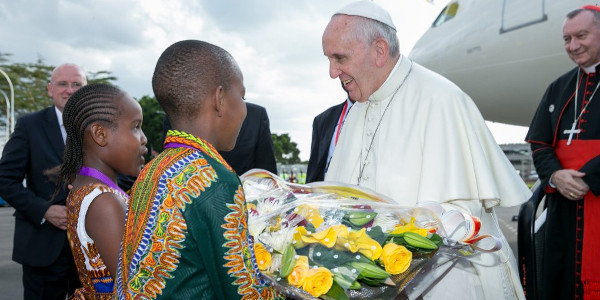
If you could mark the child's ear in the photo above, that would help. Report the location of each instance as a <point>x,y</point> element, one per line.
<point>99,134</point>
<point>218,100</point>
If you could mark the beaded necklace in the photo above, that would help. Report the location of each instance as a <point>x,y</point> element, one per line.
<point>176,138</point>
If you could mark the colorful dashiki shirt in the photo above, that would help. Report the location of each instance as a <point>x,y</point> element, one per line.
<point>186,235</point>
<point>97,282</point>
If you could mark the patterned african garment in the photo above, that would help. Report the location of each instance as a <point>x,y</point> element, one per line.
<point>186,235</point>
<point>97,282</point>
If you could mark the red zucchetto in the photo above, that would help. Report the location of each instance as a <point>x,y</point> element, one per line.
<point>591,7</point>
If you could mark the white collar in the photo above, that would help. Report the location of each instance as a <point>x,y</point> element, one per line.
<point>390,85</point>
<point>590,69</point>
<point>58,116</point>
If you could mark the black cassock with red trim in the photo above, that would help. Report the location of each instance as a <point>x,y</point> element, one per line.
<point>558,144</point>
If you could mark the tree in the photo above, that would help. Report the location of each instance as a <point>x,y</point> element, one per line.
<point>286,151</point>
<point>30,79</point>
<point>153,124</point>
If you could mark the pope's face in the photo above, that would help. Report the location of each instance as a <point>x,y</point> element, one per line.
<point>582,39</point>
<point>350,59</point>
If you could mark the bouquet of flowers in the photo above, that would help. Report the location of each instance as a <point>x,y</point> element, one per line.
<point>336,241</point>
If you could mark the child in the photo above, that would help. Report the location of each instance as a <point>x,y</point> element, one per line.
<point>104,138</point>
<point>186,234</point>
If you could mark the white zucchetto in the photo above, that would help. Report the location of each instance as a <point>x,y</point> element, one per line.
<point>369,10</point>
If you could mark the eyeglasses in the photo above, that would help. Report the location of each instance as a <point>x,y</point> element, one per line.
<point>64,85</point>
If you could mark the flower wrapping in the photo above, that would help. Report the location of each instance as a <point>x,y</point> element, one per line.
<point>335,241</point>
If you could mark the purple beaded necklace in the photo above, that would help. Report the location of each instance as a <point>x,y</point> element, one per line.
<point>91,172</point>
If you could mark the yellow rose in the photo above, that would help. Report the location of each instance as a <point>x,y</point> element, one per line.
<point>263,257</point>
<point>318,281</point>
<point>395,258</point>
<point>296,278</point>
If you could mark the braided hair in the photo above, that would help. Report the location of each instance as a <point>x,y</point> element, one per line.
<point>91,103</point>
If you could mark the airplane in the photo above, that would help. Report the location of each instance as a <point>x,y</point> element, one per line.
<point>502,53</point>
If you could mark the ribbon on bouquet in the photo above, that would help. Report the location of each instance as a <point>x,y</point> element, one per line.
<point>463,228</point>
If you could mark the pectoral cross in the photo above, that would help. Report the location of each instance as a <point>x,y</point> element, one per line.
<point>570,132</point>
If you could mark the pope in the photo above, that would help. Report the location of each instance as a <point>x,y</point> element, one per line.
<point>414,136</point>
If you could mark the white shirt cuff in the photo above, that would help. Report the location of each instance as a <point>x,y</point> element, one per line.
<point>550,182</point>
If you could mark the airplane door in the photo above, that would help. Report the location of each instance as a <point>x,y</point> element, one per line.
<point>517,14</point>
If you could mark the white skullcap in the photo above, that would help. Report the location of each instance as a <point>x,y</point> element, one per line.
<point>369,10</point>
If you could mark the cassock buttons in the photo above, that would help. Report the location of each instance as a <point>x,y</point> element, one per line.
<point>551,108</point>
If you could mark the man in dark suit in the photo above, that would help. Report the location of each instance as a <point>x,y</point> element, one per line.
<point>326,130</point>
<point>254,145</point>
<point>40,239</point>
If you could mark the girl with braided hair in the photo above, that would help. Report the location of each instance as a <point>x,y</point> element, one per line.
<point>104,138</point>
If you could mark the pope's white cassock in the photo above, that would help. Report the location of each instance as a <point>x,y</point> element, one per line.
<point>433,145</point>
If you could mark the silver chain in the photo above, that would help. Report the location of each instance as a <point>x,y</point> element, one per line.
<point>575,117</point>
<point>362,166</point>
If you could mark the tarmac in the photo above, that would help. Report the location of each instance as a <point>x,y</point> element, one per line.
<point>10,272</point>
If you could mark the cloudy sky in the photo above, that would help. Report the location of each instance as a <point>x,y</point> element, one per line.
<point>277,44</point>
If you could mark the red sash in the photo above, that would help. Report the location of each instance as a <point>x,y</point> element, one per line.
<point>574,157</point>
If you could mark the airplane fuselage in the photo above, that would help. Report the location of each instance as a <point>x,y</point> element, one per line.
<point>503,53</point>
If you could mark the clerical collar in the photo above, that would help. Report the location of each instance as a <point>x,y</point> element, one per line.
<point>390,85</point>
<point>591,69</point>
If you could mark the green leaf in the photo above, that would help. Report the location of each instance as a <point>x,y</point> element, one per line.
<point>329,257</point>
<point>336,292</point>
<point>437,239</point>
<point>288,261</point>
<point>377,234</point>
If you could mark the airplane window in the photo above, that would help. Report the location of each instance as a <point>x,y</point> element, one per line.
<point>447,14</point>
<point>517,14</point>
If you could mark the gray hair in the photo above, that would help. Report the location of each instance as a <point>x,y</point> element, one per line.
<point>572,14</point>
<point>368,30</point>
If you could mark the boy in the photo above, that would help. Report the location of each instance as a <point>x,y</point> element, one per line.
<point>185,234</point>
